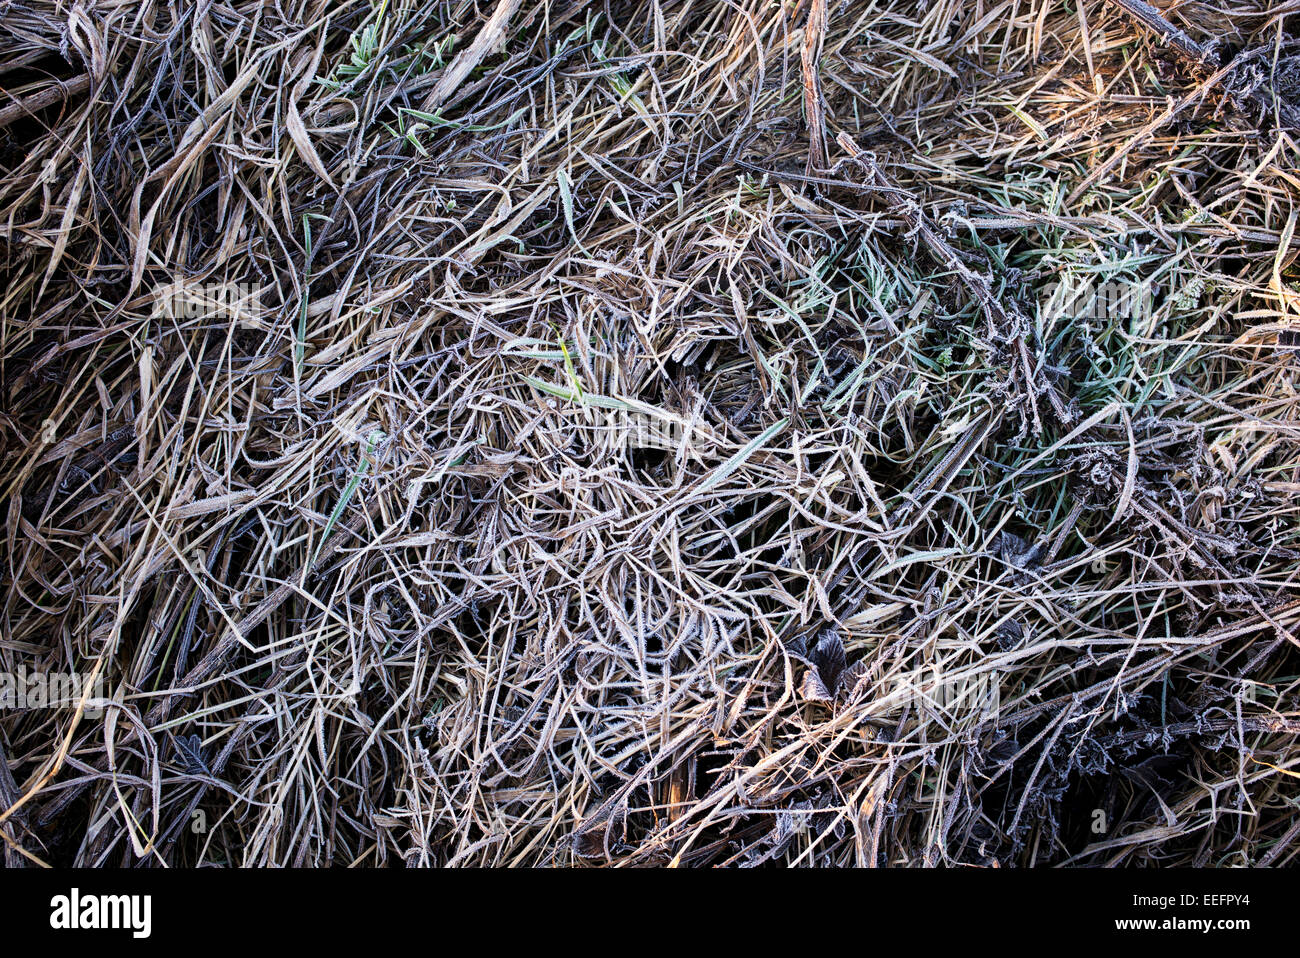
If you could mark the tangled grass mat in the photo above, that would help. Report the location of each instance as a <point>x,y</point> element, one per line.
<point>696,432</point>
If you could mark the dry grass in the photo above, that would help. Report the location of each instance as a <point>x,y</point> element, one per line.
<point>368,581</point>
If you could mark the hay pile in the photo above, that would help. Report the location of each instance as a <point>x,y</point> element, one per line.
<point>642,432</point>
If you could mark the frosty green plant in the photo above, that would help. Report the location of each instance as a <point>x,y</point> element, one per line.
<point>372,443</point>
